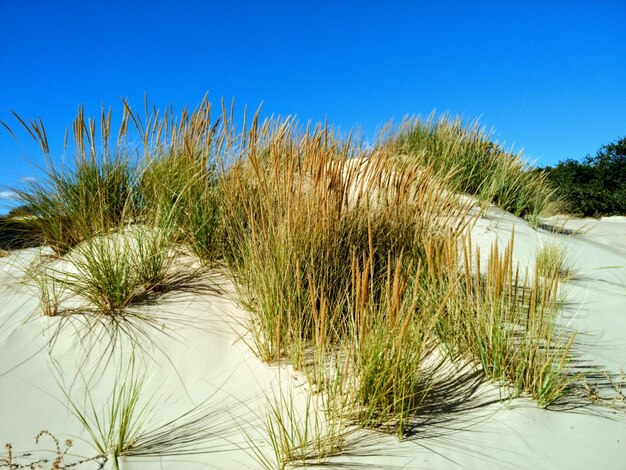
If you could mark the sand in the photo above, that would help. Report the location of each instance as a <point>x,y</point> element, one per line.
<point>196,358</point>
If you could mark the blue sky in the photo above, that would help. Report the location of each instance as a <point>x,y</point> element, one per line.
<point>548,76</point>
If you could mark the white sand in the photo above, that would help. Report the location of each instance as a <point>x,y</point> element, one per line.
<point>196,353</point>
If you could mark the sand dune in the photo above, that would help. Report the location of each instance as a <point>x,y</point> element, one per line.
<point>196,361</point>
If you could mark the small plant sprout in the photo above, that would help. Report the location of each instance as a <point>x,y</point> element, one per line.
<point>31,460</point>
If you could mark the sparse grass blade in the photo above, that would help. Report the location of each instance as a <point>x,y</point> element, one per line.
<point>115,426</point>
<point>297,431</point>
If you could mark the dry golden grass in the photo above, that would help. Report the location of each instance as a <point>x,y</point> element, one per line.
<point>12,461</point>
<point>302,208</point>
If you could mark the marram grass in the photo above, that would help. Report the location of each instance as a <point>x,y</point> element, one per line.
<point>478,165</point>
<point>338,251</point>
<point>552,260</point>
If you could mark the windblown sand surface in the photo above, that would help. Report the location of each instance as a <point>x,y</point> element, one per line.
<point>196,360</point>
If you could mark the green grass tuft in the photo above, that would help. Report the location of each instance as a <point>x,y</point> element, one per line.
<point>476,164</point>
<point>552,260</point>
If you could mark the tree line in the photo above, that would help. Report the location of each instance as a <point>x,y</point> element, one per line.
<point>595,186</point>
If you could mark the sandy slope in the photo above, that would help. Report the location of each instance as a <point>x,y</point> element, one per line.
<point>195,359</point>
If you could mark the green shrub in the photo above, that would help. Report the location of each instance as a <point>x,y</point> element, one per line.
<point>597,185</point>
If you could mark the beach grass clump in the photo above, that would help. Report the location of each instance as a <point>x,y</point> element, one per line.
<point>171,175</point>
<point>92,195</point>
<point>180,172</point>
<point>298,431</point>
<point>115,427</point>
<point>129,420</point>
<point>507,322</point>
<point>108,271</point>
<point>286,244</point>
<point>50,288</point>
<point>15,234</point>
<point>150,254</point>
<point>105,273</point>
<point>310,214</point>
<point>476,164</point>
<point>301,209</point>
<point>186,195</point>
<point>552,259</point>
<point>75,205</point>
<point>389,370</point>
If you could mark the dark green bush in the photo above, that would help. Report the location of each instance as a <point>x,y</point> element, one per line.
<point>597,185</point>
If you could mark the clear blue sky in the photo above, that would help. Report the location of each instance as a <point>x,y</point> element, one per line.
<point>548,76</point>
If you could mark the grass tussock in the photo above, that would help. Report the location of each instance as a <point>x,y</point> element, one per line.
<point>179,175</point>
<point>552,260</point>
<point>116,427</point>
<point>113,214</point>
<point>335,248</point>
<point>301,210</point>
<point>297,431</point>
<point>91,196</point>
<point>129,423</point>
<point>478,165</point>
<point>507,322</point>
<point>108,271</point>
<point>389,369</point>
<point>49,287</point>
<point>106,186</point>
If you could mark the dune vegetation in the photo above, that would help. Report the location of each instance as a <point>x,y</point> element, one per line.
<point>477,165</point>
<point>594,186</point>
<point>355,263</point>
